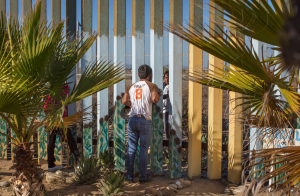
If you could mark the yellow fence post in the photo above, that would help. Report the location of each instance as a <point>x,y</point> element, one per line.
<point>235,137</point>
<point>215,97</point>
<point>195,96</point>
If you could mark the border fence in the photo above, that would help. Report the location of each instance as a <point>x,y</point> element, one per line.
<point>99,137</point>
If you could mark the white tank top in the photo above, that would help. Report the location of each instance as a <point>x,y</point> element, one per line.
<point>140,97</point>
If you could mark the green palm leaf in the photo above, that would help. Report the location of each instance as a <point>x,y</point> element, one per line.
<point>255,18</point>
<point>35,61</point>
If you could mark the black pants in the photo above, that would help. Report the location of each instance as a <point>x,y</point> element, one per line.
<point>166,124</point>
<point>51,145</point>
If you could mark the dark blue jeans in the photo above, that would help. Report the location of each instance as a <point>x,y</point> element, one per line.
<point>138,128</point>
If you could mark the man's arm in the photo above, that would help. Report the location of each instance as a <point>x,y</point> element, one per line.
<point>154,97</point>
<point>125,100</point>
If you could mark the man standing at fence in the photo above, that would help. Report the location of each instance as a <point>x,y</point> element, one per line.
<point>140,96</point>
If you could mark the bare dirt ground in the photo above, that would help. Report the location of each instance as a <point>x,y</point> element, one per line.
<point>199,186</point>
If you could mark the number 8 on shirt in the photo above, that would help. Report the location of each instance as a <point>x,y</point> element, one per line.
<point>139,93</point>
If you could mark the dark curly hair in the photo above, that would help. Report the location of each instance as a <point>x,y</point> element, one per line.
<point>166,73</point>
<point>144,71</point>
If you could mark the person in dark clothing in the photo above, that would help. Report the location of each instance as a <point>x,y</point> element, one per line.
<point>51,145</point>
<point>52,138</point>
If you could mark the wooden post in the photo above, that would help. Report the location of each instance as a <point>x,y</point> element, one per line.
<point>195,96</point>
<point>26,8</point>
<point>156,63</point>
<point>102,54</point>
<point>3,6</point>
<point>175,78</point>
<point>119,88</point>
<point>215,96</point>
<point>13,9</point>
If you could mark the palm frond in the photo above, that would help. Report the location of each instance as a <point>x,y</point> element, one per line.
<point>233,51</point>
<point>257,19</point>
<point>96,77</point>
<point>35,61</point>
<point>260,97</point>
<point>280,166</point>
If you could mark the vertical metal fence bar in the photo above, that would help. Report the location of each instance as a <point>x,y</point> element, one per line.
<point>13,9</point>
<point>138,35</point>
<point>55,20</point>
<point>3,139</point>
<point>26,8</point>
<point>119,41</point>
<point>55,12</point>
<point>3,6</point>
<point>13,14</point>
<point>195,95</point>
<point>256,140</point>
<point>102,54</point>
<point>138,47</point>
<point>86,25</point>
<point>42,139</point>
<point>156,63</point>
<point>43,10</point>
<point>87,140</point>
<point>71,36</point>
<point>119,89</point>
<point>42,135</point>
<point>86,29</point>
<point>214,106</point>
<point>175,78</point>
<point>235,134</point>
<point>3,125</point>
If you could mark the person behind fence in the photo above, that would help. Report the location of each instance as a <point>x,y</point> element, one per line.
<point>166,103</point>
<point>52,137</point>
<point>140,96</point>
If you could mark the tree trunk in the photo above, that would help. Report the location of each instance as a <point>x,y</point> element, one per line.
<point>28,179</point>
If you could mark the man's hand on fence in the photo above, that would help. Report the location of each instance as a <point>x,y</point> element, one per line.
<point>160,92</point>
